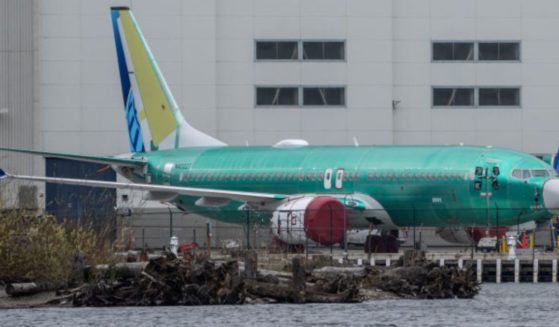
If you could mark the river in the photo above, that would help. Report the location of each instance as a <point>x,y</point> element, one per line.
<point>497,305</point>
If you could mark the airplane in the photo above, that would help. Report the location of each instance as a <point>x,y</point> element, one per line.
<point>303,191</point>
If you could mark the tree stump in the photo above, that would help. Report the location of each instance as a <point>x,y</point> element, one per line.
<point>299,279</point>
<point>251,265</point>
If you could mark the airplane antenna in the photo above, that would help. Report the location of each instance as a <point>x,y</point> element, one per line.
<point>355,142</point>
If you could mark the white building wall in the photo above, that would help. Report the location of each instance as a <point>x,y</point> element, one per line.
<point>16,82</point>
<point>16,95</point>
<point>534,23</point>
<point>206,50</point>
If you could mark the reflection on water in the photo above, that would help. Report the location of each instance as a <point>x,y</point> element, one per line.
<point>497,305</point>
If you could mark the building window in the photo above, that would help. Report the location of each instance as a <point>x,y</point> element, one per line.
<point>499,97</point>
<point>277,50</point>
<point>318,50</point>
<point>277,96</point>
<point>323,96</point>
<point>453,97</point>
<point>499,51</point>
<point>443,51</point>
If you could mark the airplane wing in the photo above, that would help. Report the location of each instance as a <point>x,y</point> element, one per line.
<point>193,191</point>
<point>96,159</point>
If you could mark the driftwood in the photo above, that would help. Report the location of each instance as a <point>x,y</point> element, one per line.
<point>21,289</point>
<point>123,269</point>
<point>199,281</point>
<point>168,281</point>
<point>419,278</point>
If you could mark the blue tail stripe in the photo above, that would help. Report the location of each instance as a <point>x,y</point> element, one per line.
<point>123,69</point>
<point>134,129</point>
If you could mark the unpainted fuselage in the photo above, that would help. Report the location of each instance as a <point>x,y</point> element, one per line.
<point>416,185</point>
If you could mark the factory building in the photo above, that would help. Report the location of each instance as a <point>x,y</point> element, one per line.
<point>254,72</point>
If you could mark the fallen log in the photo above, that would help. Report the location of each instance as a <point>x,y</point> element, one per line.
<point>333,272</point>
<point>347,296</point>
<point>428,281</point>
<point>21,289</point>
<point>281,293</point>
<point>123,269</point>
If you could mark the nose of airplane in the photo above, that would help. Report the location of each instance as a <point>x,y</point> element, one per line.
<point>551,195</point>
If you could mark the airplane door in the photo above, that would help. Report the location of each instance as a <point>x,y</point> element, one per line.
<point>328,179</point>
<point>490,186</point>
<point>486,180</point>
<point>166,176</point>
<point>339,178</point>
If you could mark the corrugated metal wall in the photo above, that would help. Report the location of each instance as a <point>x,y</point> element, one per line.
<point>80,204</point>
<point>16,82</point>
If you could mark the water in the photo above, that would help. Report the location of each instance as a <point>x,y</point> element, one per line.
<point>497,305</point>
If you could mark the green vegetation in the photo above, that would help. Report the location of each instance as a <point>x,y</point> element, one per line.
<point>39,248</point>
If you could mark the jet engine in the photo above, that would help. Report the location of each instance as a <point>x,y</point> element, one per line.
<point>461,235</point>
<point>321,219</point>
<point>455,235</point>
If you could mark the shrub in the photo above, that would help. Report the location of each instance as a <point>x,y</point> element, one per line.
<point>38,248</point>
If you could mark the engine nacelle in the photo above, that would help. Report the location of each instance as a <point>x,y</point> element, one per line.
<point>461,235</point>
<point>455,235</point>
<point>321,219</point>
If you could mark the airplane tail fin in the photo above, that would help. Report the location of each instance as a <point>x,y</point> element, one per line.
<point>153,117</point>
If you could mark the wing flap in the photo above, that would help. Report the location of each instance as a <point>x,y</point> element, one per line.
<point>193,191</point>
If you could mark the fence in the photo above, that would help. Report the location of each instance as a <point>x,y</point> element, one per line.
<point>287,231</point>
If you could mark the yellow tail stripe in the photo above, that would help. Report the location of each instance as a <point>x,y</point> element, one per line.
<point>157,108</point>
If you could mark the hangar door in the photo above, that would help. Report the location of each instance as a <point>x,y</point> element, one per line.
<point>80,203</point>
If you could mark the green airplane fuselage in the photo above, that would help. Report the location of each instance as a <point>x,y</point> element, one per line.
<point>416,185</point>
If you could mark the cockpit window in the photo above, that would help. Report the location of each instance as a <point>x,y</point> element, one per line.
<point>529,173</point>
<point>540,173</point>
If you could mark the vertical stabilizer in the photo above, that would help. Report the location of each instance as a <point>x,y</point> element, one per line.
<point>152,115</point>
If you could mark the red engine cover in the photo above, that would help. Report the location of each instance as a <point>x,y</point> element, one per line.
<point>325,220</point>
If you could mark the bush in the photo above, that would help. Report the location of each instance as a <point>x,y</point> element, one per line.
<point>38,248</point>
